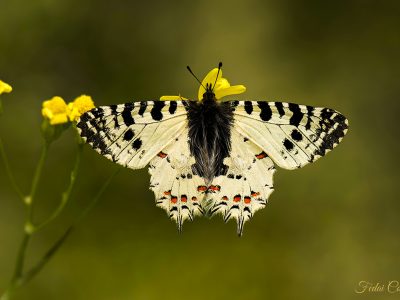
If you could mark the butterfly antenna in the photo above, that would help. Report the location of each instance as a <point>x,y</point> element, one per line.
<point>216,78</point>
<point>191,72</point>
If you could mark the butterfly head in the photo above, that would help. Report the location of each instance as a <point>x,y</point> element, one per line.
<point>209,94</point>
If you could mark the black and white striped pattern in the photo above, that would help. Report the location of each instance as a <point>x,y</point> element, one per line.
<point>293,135</point>
<point>132,134</point>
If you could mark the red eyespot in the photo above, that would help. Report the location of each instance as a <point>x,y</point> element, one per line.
<point>162,155</point>
<point>247,200</point>
<point>174,199</point>
<point>215,188</point>
<point>183,198</point>
<point>201,188</point>
<point>261,155</point>
<point>237,198</point>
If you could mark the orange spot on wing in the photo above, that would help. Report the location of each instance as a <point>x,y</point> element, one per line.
<point>174,199</point>
<point>255,194</point>
<point>215,188</point>
<point>247,200</point>
<point>183,198</point>
<point>194,198</point>
<point>261,155</point>
<point>225,198</point>
<point>166,193</point>
<point>201,188</point>
<point>237,198</point>
<point>162,154</point>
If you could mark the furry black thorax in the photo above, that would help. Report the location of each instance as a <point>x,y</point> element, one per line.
<point>210,123</point>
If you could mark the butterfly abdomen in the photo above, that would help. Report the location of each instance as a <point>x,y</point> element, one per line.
<point>210,124</point>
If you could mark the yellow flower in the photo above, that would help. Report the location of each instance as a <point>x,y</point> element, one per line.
<point>5,88</point>
<point>80,105</point>
<point>221,89</point>
<point>55,110</point>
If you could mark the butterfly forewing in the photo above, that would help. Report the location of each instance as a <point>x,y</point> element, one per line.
<point>292,135</point>
<point>132,134</point>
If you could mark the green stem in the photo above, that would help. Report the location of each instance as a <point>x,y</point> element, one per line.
<point>19,279</point>
<point>19,264</point>
<point>22,279</point>
<point>28,227</point>
<point>96,199</point>
<point>67,194</point>
<point>35,269</point>
<point>43,261</point>
<point>36,178</point>
<point>8,171</point>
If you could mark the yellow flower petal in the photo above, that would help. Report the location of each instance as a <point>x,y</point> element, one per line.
<point>221,83</point>
<point>55,110</point>
<point>209,79</point>
<point>222,86</point>
<point>47,113</point>
<point>59,119</point>
<point>172,98</point>
<point>5,87</point>
<point>79,106</point>
<point>221,89</point>
<point>232,90</point>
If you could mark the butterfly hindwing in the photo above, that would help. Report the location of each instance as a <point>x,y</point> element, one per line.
<point>177,189</point>
<point>293,135</point>
<point>247,184</point>
<point>132,134</point>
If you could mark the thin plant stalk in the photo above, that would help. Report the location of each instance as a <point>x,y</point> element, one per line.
<point>22,279</point>
<point>67,194</point>
<point>28,201</point>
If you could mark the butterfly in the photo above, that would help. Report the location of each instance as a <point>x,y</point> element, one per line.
<point>210,157</point>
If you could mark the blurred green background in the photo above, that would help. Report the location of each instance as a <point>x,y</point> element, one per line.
<point>327,227</point>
